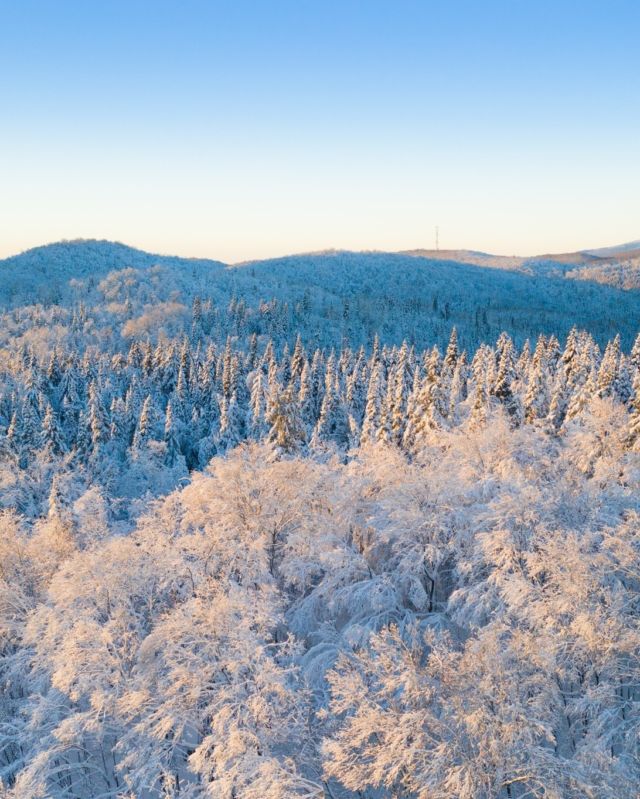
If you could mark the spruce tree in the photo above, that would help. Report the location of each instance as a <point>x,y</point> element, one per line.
<point>373,407</point>
<point>286,431</point>
<point>608,372</point>
<point>172,451</point>
<point>52,441</point>
<point>633,437</point>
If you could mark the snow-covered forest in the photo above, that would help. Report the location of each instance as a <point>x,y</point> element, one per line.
<point>377,537</point>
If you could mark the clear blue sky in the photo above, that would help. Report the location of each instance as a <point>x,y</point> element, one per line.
<point>242,129</point>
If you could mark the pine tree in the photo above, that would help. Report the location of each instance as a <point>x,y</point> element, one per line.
<point>182,396</point>
<point>147,359</point>
<point>252,352</point>
<point>316,384</point>
<point>306,399</point>
<point>239,382</point>
<point>623,383</point>
<point>146,427</point>
<point>172,452</point>
<point>54,372</point>
<point>258,406</point>
<point>13,432</point>
<point>298,360</point>
<point>582,396</point>
<point>608,372</point>
<point>457,392</point>
<point>480,406</point>
<point>227,377</point>
<point>52,441</point>
<point>451,355</point>
<point>97,419</point>
<point>481,372</point>
<point>385,427</point>
<point>634,355</point>
<point>633,437</point>
<point>286,431</point>
<point>284,370</point>
<point>569,357</point>
<point>536,401</point>
<point>400,382</point>
<point>196,317</point>
<point>332,425</point>
<point>232,430</point>
<point>373,408</point>
<point>427,405</point>
<point>503,386</point>
<point>559,402</point>
<point>524,359</point>
<point>118,430</point>
<point>355,392</point>
<point>375,353</point>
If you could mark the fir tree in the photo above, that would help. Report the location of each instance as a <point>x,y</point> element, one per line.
<point>451,355</point>
<point>373,408</point>
<point>172,452</point>
<point>608,372</point>
<point>286,431</point>
<point>51,436</point>
<point>146,427</point>
<point>258,404</point>
<point>633,438</point>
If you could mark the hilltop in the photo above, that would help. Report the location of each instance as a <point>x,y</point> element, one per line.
<point>331,297</point>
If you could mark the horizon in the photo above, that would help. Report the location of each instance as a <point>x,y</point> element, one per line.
<point>471,250</point>
<point>242,132</point>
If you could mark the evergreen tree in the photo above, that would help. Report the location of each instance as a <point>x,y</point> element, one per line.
<point>428,408</point>
<point>451,355</point>
<point>536,401</point>
<point>172,452</point>
<point>232,425</point>
<point>306,400</point>
<point>582,396</point>
<point>252,352</point>
<point>286,431</point>
<point>332,425</point>
<point>400,381</point>
<point>97,419</point>
<point>146,427</point>
<point>373,408</point>
<point>503,386</point>
<point>52,441</point>
<point>258,403</point>
<point>633,438</point>
<point>609,368</point>
<point>481,372</point>
<point>227,366</point>
<point>634,355</point>
<point>559,401</point>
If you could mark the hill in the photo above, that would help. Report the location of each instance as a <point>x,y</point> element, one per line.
<point>330,297</point>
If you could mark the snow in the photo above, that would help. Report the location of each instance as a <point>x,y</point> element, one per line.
<point>282,530</point>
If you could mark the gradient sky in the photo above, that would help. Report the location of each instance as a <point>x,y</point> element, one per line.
<point>241,129</point>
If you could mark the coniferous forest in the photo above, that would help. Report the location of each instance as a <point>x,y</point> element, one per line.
<point>337,540</point>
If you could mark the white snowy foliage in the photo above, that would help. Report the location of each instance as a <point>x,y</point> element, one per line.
<point>236,563</point>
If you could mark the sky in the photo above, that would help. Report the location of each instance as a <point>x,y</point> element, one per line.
<point>247,129</point>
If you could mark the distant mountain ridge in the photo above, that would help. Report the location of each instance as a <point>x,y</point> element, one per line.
<point>44,273</point>
<point>331,297</point>
<point>617,266</point>
<point>120,254</point>
<point>620,249</point>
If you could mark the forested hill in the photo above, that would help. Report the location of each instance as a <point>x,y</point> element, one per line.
<point>277,531</point>
<point>331,298</point>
